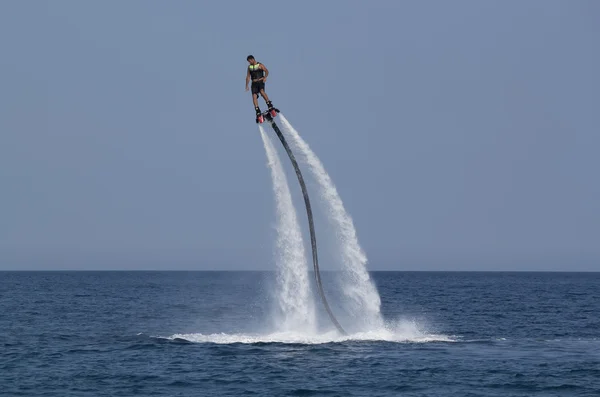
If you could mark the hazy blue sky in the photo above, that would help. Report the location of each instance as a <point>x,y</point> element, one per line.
<point>461,135</point>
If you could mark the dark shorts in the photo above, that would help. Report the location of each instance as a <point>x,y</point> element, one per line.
<point>256,87</point>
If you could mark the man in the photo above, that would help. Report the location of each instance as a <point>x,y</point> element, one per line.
<point>258,73</point>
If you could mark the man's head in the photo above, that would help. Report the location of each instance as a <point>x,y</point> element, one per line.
<point>251,60</point>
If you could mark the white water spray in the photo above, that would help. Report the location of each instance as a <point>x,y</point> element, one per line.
<point>363,302</point>
<point>294,296</point>
<point>404,332</point>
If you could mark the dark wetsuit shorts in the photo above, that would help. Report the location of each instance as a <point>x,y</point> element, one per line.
<point>257,86</point>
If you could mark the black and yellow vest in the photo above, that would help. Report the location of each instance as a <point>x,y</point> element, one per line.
<point>255,71</point>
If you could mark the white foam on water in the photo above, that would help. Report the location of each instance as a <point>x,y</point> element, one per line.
<point>400,332</point>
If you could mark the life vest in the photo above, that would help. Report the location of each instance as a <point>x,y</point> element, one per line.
<point>256,72</point>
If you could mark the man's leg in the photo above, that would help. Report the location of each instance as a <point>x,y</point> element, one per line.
<point>264,95</point>
<point>256,108</point>
<point>266,98</point>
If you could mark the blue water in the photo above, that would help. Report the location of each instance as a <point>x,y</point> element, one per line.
<point>212,333</point>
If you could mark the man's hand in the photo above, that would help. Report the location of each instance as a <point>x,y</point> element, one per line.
<point>246,88</point>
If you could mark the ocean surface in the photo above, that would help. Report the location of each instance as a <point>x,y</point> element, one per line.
<point>215,334</point>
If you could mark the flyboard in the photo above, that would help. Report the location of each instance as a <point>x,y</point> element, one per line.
<point>269,116</point>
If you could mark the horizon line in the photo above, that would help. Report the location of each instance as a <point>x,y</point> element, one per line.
<point>310,271</point>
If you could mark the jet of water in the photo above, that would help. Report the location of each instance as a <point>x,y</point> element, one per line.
<point>294,298</point>
<point>363,301</point>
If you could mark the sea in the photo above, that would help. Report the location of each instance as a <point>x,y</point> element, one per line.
<point>177,333</point>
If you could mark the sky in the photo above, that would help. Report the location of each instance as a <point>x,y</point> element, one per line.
<point>461,135</point>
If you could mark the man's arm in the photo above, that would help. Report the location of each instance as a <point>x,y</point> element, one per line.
<point>263,67</point>
<point>247,78</point>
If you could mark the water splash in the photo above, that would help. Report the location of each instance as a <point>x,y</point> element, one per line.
<point>400,332</point>
<point>362,299</point>
<point>294,299</point>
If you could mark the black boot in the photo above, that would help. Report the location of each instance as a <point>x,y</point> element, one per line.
<point>269,105</point>
<point>259,116</point>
